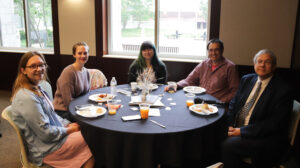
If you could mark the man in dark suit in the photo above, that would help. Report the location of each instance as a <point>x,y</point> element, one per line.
<point>258,116</point>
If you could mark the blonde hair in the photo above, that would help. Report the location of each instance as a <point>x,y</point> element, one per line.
<point>21,78</point>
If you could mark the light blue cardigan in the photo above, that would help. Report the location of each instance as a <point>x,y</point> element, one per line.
<point>42,129</point>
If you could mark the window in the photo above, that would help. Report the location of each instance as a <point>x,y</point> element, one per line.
<point>26,24</point>
<point>178,28</point>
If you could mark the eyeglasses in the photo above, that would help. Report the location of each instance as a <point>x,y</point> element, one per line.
<point>214,50</point>
<point>34,67</point>
<point>267,62</point>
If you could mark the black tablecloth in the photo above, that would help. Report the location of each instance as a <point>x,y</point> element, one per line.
<point>188,138</point>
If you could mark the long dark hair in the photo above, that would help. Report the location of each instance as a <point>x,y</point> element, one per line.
<point>140,61</point>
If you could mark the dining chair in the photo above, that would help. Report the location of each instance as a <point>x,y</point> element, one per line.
<point>97,79</point>
<point>295,118</point>
<point>6,114</point>
<point>216,165</point>
<point>294,123</point>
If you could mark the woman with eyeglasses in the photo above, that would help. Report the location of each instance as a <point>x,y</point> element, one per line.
<point>148,59</point>
<point>49,139</point>
<point>74,81</point>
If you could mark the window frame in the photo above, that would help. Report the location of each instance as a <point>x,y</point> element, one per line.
<point>101,16</point>
<point>54,13</point>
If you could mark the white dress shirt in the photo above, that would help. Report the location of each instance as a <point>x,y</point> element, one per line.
<point>264,84</point>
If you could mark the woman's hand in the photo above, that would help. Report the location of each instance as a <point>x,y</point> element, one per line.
<point>73,127</point>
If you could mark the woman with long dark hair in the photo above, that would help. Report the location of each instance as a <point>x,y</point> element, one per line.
<point>148,59</point>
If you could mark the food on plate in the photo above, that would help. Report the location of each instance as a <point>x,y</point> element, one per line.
<point>99,111</point>
<point>198,109</point>
<point>205,106</point>
<point>102,95</point>
<point>83,112</point>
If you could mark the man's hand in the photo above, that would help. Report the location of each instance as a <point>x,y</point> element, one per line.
<point>234,131</point>
<point>166,89</point>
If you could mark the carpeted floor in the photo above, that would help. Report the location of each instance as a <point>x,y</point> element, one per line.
<point>9,144</point>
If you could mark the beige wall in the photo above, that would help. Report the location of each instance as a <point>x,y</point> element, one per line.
<point>250,25</point>
<point>76,23</point>
<point>246,27</point>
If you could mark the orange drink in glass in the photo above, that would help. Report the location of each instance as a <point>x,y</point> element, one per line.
<point>112,107</point>
<point>190,99</point>
<point>189,102</point>
<point>144,110</point>
<point>112,111</point>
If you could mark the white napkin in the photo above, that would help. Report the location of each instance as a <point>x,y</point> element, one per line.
<point>154,112</point>
<point>131,117</point>
<point>125,92</point>
<point>157,103</point>
<point>168,108</point>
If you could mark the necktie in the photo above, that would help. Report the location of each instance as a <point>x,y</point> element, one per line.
<point>246,108</point>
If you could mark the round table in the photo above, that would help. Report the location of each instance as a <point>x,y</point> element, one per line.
<point>187,138</point>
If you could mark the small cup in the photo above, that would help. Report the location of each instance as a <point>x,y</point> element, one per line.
<point>112,106</point>
<point>172,87</point>
<point>189,103</point>
<point>144,110</point>
<point>190,99</point>
<point>133,86</point>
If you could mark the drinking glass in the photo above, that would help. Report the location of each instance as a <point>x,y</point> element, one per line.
<point>172,87</point>
<point>144,110</point>
<point>112,106</point>
<point>190,99</point>
<point>133,86</point>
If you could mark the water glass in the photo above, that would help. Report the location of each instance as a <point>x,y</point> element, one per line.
<point>133,86</point>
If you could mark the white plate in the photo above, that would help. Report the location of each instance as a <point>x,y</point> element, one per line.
<point>104,98</point>
<point>91,111</point>
<point>197,108</point>
<point>194,89</point>
<point>151,87</point>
